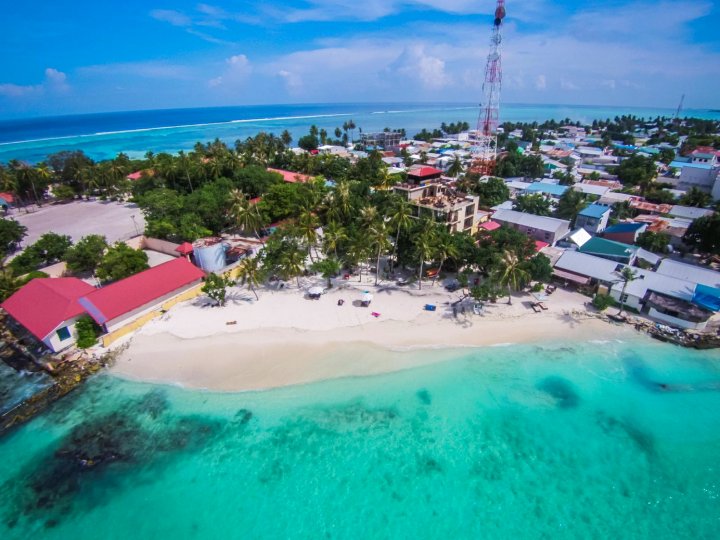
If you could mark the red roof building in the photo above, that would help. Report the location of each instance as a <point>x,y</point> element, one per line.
<point>490,225</point>
<point>7,197</point>
<point>114,304</point>
<point>48,307</point>
<point>424,173</point>
<point>292,177</point>
<point>540,245</point>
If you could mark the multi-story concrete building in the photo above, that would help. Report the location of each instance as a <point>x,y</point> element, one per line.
<point>444,203</point>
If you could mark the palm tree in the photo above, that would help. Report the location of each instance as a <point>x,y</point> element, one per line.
<point>359,250</point>
<point>368,216</point>
<point>445,249</point>
<point>333,235</point>
<point>249,274</point>
<point>378,235</point>
<point>424,245</point>
<point>9,284</point>
<point>627,275</point>
<point>456,167</point>
<point>511,274</point>
<point>245,214</point>
<point>292,263</point>
<point>308,224</point>
<point>401,219</point>
<point>340,202</point>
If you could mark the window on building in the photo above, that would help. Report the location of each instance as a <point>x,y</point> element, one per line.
<point>63,333</point>
<point>623,298</point>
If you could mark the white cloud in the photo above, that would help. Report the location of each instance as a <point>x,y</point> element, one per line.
<point>148,70</point>
<point>610,83</point>
<point>236,72</point>
<point>568,85</point>
<point>55,82</point>
<point>540,82</point>
<point>414,64</point>
<point>176,18</point>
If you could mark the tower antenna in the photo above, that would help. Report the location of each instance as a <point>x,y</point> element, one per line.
<point>679,109</point>
<point>486,148</point>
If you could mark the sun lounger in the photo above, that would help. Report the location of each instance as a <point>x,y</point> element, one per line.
<point>535,308</point>
<point>231,322</point>
<point>542,306</point>
<point>430,307</point>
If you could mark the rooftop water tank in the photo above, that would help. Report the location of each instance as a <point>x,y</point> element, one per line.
<point>210,255</point>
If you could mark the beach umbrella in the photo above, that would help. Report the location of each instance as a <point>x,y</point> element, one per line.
<point>366,297</point>
<point>315,291</point>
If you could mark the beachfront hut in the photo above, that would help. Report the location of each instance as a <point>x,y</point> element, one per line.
<point>49,308</point>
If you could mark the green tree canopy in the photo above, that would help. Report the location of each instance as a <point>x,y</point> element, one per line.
<point>636,170</point>
<point>704,234</point>
<point>492,192</point>
<point>534,203</point>
<point>11,234</point>
<point>696,197</point>
<point>215,287</point>
<point>121,261</point>
<point>655,242</point>
<point>571,203</point>
<point>86,254</point>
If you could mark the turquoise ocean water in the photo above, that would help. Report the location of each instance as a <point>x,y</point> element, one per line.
<point>103,135</point>
<point>575,440</point>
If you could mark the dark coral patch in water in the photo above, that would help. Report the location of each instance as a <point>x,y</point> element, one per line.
<point>424,396</point>
<point>560,389</point>
<point>642,439</point>
<point>140,432</point>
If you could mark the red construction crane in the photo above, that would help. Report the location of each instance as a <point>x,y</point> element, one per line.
<point>486,137</point>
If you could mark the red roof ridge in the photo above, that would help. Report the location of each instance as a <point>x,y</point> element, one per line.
<point>139,289</point>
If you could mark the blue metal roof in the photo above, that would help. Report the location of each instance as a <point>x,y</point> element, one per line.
<point>681,164</point>
<point>594,211</point>
<point>707,297</point>
<point>624,227</point>
<point>542,187</point>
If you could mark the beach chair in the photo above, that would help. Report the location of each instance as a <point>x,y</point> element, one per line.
<point>542,306</point>
<point>535,308</point>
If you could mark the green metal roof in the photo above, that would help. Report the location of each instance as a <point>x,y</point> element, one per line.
<point>602,246</point>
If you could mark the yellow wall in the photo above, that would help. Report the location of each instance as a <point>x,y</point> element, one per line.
<point>107,339</point>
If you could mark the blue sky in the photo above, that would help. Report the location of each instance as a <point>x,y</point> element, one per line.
<point>89,56</point>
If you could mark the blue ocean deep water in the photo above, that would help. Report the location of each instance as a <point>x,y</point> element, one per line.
<point>104,135</point>
<point>576,440</point>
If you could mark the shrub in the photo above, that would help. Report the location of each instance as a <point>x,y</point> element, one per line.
<point>603,301</point>
<point>87,332</point>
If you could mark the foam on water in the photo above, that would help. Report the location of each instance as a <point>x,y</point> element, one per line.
<point>563,441</point>
<point>103,136</point>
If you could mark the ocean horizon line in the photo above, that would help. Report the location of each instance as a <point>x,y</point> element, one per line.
<point>464,104</point>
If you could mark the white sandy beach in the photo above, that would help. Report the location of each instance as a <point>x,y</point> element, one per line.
<point>286,339</point>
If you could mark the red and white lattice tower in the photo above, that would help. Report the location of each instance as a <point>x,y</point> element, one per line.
<point>485,153</point>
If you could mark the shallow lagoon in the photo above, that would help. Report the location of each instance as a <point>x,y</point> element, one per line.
<point>577,440</point>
